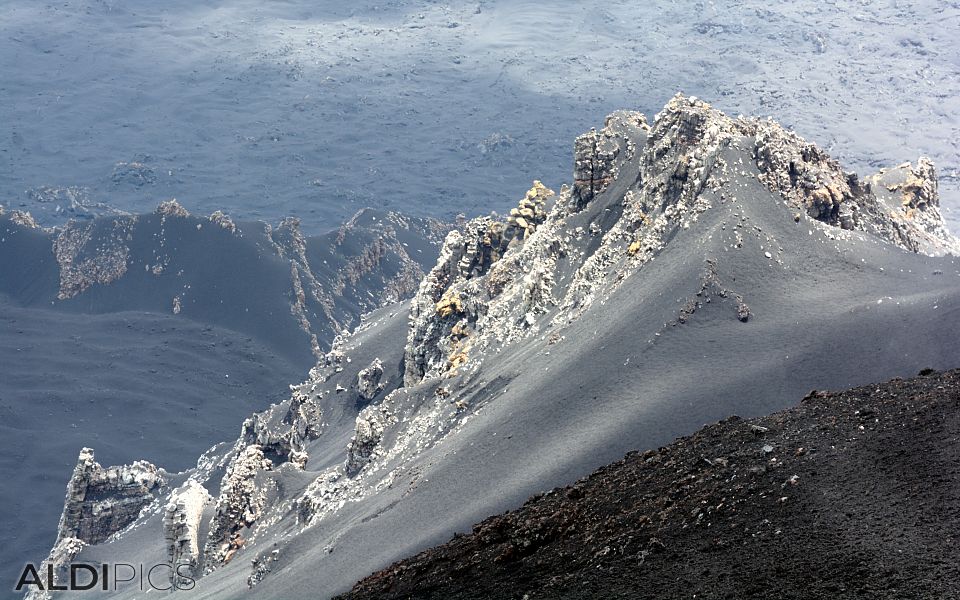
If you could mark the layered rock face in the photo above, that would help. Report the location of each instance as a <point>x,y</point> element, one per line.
<point>676,242</point>
<point>100,503</point>
<point>181,528</point>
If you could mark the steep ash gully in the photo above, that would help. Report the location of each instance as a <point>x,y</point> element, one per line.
<point>364,415</point>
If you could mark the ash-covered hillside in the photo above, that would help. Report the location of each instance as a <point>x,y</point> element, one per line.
<point>152,336</point>
<point>698,266</point>
<point>848,495</point>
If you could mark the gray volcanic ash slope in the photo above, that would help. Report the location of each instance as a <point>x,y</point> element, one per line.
<point>152,336</point>
<point>698,267</point>
<point>848,495</point>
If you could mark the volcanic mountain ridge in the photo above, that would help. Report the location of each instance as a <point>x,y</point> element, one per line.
<point>691,258</point>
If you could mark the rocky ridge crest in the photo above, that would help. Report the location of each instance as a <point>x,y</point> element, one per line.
<point>498,281</point>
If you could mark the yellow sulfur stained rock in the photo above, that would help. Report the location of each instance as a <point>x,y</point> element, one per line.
<point>634,247</point>
<point>449,304</point>
<point>457,360</point>
<point>821,196</point>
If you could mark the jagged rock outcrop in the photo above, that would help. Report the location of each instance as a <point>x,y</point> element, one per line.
<point>283,431</point>
<point>456,293</point>
<point>64,551</point>
<point>664,170</point>
<point>181,529</point>
<point>368,380</point>
<point>102,501</point>
<point>223,220</point>
<point>909,196</point>
<point>24,219</point>
<point>239,505</point>
<point>87,259</point>
<point>371,423</point>
<point>594,165</point>
<point>812,181</point>
<point>171,208</point>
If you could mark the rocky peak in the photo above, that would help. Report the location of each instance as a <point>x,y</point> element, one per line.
<point>807,178</point>
<point>171,208</point>
<point>102,501</point>
<point>657,178</point>
<point>181,528</point>
<point>23,219</point>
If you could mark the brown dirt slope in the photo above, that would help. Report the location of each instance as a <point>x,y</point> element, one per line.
<point>851,494</point>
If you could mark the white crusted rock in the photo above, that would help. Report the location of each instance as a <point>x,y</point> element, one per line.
<point>238,507</point>
<point>181,529</point>
<point>368,380</point>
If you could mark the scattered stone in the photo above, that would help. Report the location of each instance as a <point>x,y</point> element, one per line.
<point>369,430</point>
<point>368,380</point>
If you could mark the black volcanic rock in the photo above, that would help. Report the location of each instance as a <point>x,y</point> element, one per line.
<point>849,494</point>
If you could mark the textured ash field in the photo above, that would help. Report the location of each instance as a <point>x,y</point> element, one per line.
<point>317,109</point>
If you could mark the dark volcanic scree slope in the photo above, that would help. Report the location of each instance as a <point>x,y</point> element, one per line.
<point>152,336</point>
<point>699,266</point>
<point>849,495</point>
